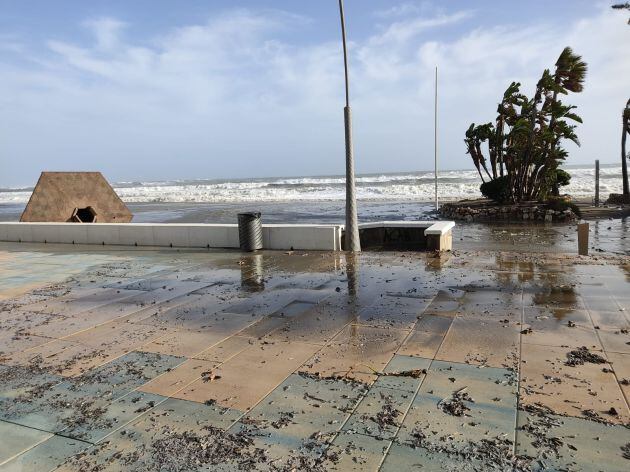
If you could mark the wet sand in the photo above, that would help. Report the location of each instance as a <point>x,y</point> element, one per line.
<point>121,359</point>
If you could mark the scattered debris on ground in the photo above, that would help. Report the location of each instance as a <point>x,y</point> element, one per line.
<point>414,373</point>
<point>582,355</point>
<point>387,415</point>
<point>454,405</point>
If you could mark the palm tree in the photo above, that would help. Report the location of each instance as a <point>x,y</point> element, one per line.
<point>625,130</point>
<point>622,6</point>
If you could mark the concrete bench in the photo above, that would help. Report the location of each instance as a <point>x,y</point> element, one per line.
<point>410,235</point>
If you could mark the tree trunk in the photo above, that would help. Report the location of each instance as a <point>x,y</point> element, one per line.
<point>624,166</point>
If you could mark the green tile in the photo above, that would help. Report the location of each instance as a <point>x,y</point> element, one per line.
<point>357,452</point>
<point>581,444</point>
<point>380,412</point>
<point>401,364</point>
<point>16,439</point>
<point>115,415</point>
<point>45,456</point>
<point>491,414</point>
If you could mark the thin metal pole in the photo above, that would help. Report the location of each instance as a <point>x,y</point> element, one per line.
<point>435,138</point>
<point>597,182</point>
<point>352,241</point>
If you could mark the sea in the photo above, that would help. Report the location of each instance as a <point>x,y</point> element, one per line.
<point>404,195</point>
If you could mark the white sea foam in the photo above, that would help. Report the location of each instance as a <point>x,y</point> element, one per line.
<point>453,184</point>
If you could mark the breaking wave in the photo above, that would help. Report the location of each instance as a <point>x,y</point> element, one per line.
<point>415,186</point>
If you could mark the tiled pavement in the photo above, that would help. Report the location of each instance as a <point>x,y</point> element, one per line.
<point>175,360</point>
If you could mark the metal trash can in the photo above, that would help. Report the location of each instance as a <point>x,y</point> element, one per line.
<point>250,236</point>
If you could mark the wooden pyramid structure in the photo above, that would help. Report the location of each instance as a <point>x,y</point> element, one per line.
<point>81,197</point>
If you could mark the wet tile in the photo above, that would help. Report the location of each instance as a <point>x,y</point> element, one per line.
<point>612,320</point>
<point>94,298</point>
<point>401,364</point>
<point>404,457</point>
<point>46,455</point>
<point>615,340</point>
<point>602,302</point>
<point>125,374</point>
<point>303,410</point>
<point>380,412</point>
<point>487,397</point>
<point>16,380</point>
<point>573,329</point>
<point>118,335</point>
<point>241,384</point>
<point>60,356</point>
<point>427,336</point>
<point>479,341</point>
<point>226,349</point>
<point>393,311</point>
<point>357,351</point>
<point>545,379</point>
<point>262,304</point>
<point>358,452</point>
<point>184,343</point>
<point>11,343</point>
<point>265,326</point>
<point>579,444</point>
<point>621,365</point>
<point>182,415</point>
<point>316,325</point>
<point>176,379</point>
<point>114,415</point>
<point>17,439</point>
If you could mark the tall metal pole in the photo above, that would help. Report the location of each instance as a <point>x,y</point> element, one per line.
<point>435,139</point>
<point>353,243</point>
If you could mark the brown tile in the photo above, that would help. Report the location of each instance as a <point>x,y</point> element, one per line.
<point>318,325</point>
<point>117,335</point>
<point>174,380</point>
<point>249,376</point>
<point>621,365</point>
<point>477,340</point>
<point>610,319</point>
<point>357,349</point>
<point>569,390</point>
<point>184,343</point>
<point>226,349</point>
<point>67,358</point>
<point>615,340</point>
<point>571,329</point>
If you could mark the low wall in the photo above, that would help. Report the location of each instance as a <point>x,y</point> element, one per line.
<point>275,236</point>
<point>493,213</point>
<point>407,235</point>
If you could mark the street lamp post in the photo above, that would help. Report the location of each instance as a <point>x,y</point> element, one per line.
<point>353,243</point>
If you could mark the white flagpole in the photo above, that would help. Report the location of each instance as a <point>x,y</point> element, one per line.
<point>435,137</point>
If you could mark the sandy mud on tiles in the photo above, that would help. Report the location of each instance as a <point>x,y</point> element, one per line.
<point>176,360</point>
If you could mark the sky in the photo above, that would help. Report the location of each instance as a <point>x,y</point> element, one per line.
<point>158,90</point>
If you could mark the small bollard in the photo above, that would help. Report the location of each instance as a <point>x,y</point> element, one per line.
<point>582,229</point>
<point>597,182</point>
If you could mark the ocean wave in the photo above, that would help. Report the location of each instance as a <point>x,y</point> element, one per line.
<point>417,186</point>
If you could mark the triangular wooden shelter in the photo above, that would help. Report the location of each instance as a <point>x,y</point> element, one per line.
<point>81,197</point>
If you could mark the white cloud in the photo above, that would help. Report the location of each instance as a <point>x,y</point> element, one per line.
<point>403,9</point>
<point>106,31</point>
<point>222,97</point>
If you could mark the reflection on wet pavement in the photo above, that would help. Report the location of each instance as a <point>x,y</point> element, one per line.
<point>217,360</point>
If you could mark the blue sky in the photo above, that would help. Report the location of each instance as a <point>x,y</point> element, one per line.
<point>148,90</point>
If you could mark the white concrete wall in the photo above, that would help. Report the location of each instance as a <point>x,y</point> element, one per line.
<point>280,237</point>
